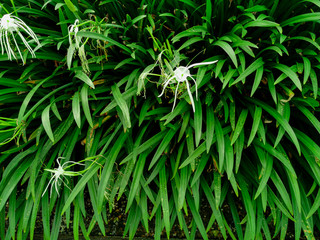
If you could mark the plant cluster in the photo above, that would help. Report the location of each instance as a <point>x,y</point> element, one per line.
<point>167,104</point>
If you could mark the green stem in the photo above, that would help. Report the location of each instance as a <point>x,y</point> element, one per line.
<point>4,8</point>
<point>14,7</point>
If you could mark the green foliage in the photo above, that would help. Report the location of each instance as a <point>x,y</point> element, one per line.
<point>249,141</point>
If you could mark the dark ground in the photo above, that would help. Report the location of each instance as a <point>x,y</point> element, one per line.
<point>117,221</point>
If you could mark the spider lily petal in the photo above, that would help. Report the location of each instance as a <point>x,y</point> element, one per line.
<point>165,85</point>
<point>190,96</point>
<point>203,63</point>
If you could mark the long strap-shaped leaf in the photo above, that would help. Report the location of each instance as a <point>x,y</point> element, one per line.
<point>214,208</point>
<point>308,17</point>
<point>257,64</point>
<point>122,104</point>
<point>290,73</point>
<point>99,36</point>
<point>283,122</point>
<point>30,94</point>
<point>228,49</point>
<point>164,200</point>
<point>163,145</point>
<point>196,216</point>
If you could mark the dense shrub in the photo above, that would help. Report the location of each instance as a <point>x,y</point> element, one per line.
<point>86,109</point>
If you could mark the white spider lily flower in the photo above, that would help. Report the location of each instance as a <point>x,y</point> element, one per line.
<point>76,44</point>
<point>181,74</point>
<point>8,26</point>
<point>73,29</point>
<point>58,174</point>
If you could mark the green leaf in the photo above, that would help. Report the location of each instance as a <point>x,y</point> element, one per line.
<point>196,153</point>
<point>12,213</point>
<point>311,41</point>
<point>163,145</point>
<point>76,218</point>
<point>217,188</point>
<point>235,215</point>
<point>312,147</point>
<point>45,216</point>
<point>257,80</point>
<point>126,95</point>
<point>123,62</point>
<point>108,169</point>
<point>164,200</point>
<point>239,126</point>
<point>83,77</point>
<point>76,109</point>
<point>70,5</point>
<point>228,49</point>
<point>208,192</point>
<point>149,144</point>
<point>210,127</point>
<point>184,182</point>
<point>251,225</point>
<point>271,150</point>
<point>156,169</point>
<point>70,54</point>
<point>310,116</point>
<point>201,166</point>
<point>85,104</point>
<point>99,36</point>
<point>229,161</point>
<point>12,182</point>
<point>314,81</point>
<point>193,31</point>
<point>179,109</point>
<point>196,217</point>
<point>238,149</point>
<point>281,189</point>
<point>315,206</point>
<point>136,179</point>
<point>189,42</point>
<point>45,118</point>
<point>257,8</point>
<point>233,115</point>
<point>255,124</point>
<point>27,99</point>
<point>283,122</point>
<point>261,23</point>
<point>198,122</point>
<point>307,17</point>
<point>80,185</point>
<point>272,87</point>
<point>279,204</point>
<point>186,118</point>
<point>291,74</point>
<point>122,104</point>
<point>257,64</point>
<point>220,142</point>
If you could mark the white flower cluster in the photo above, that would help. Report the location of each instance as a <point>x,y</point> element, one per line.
<point>58,174</point>
<point>181,74</point>
<point>9,26</point>
<point>178,76</point>
<point>75,43</point>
